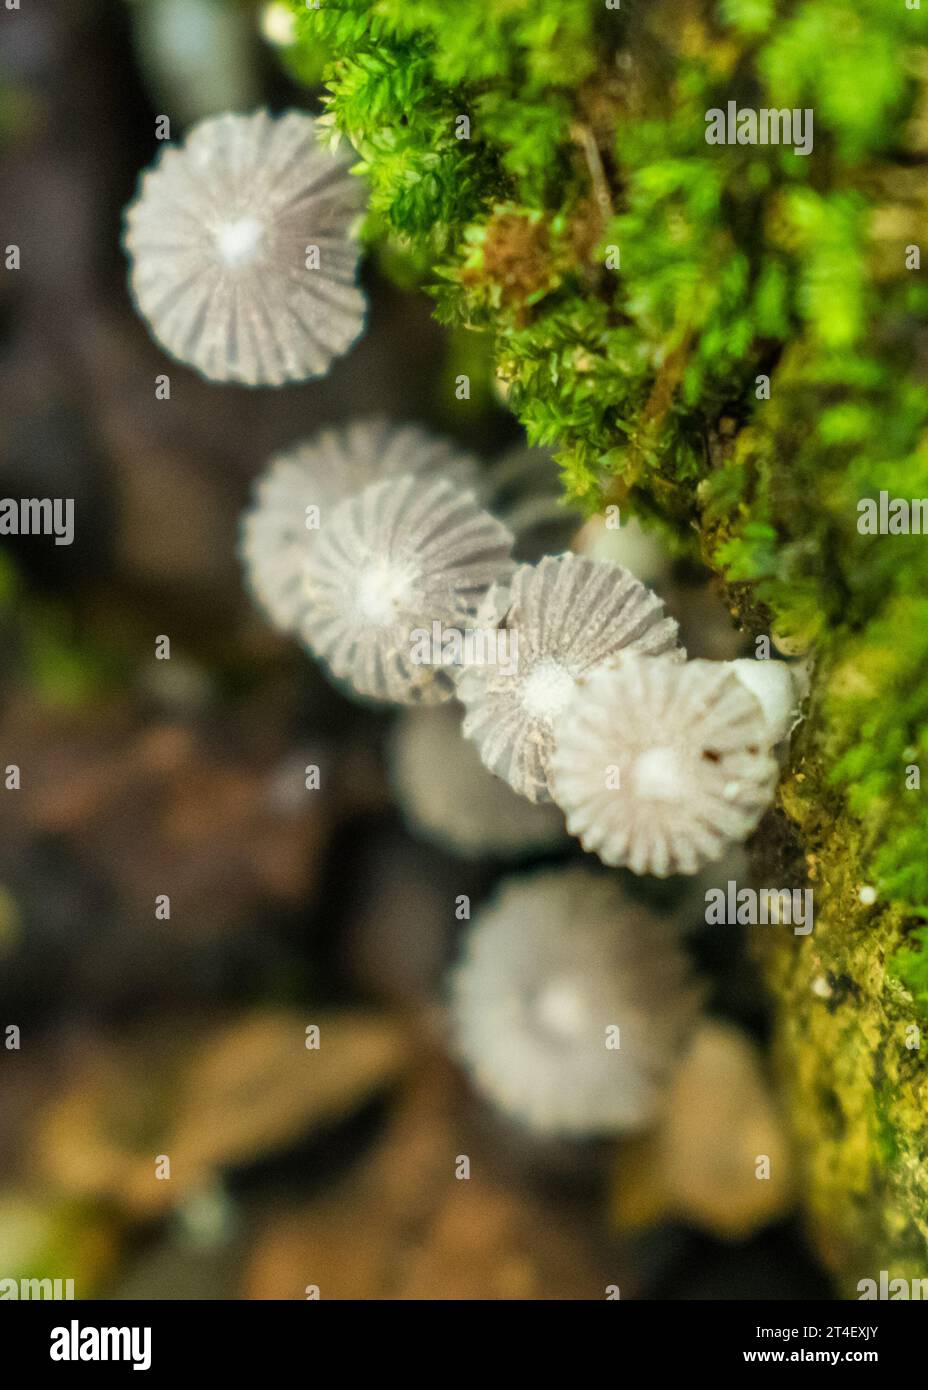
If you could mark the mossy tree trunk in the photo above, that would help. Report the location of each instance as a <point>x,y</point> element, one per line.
<point>849,1050</point>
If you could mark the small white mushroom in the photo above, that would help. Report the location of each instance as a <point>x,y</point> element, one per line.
<point>390,563</point>
<point>568,615</point>
<point>301,486</point>
<point>242,263</point>
<point>661,766</point>
<point>572,1004</point>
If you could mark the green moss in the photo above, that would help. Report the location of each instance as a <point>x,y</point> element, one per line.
<point>910,965</point>
<point>848,1048</point>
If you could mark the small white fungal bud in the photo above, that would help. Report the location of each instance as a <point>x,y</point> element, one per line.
<point>622,540</point>
<point>774,686</point>
<point>278,24</point>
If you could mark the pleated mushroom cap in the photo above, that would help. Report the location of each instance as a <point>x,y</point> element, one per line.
<point>221,238</point>
<point>391,562</point>
<point>661,767</point>
<point>572,1004</point>
<point>280,528</point>
<point>568,615</point>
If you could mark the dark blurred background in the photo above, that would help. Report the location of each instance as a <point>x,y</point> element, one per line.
<point>142,1037</point>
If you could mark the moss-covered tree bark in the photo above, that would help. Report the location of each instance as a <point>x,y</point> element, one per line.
<point>850,1052</point>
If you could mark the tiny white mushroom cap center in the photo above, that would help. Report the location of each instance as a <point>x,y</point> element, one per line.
<point>239,242</point>
<point>547,690</point>
<point>561,1009</point>
<point>656,774</point>
<point>382,590</point>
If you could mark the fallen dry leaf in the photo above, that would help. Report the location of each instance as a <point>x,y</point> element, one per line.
<point>701,1163</point>
<point>208,1098</point>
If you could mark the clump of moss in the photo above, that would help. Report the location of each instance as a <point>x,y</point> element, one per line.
<point>910,965</point>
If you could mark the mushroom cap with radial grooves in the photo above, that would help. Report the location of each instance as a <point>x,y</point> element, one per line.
<point>569,615</point>
<point>554,962</point>
<point>661,767</point>
<point>217,238</point>
<point>336,463</point>
<point>393,560</point>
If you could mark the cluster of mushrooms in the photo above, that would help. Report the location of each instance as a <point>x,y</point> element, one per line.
<point>572,1003</point>
<point>660,764</point>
